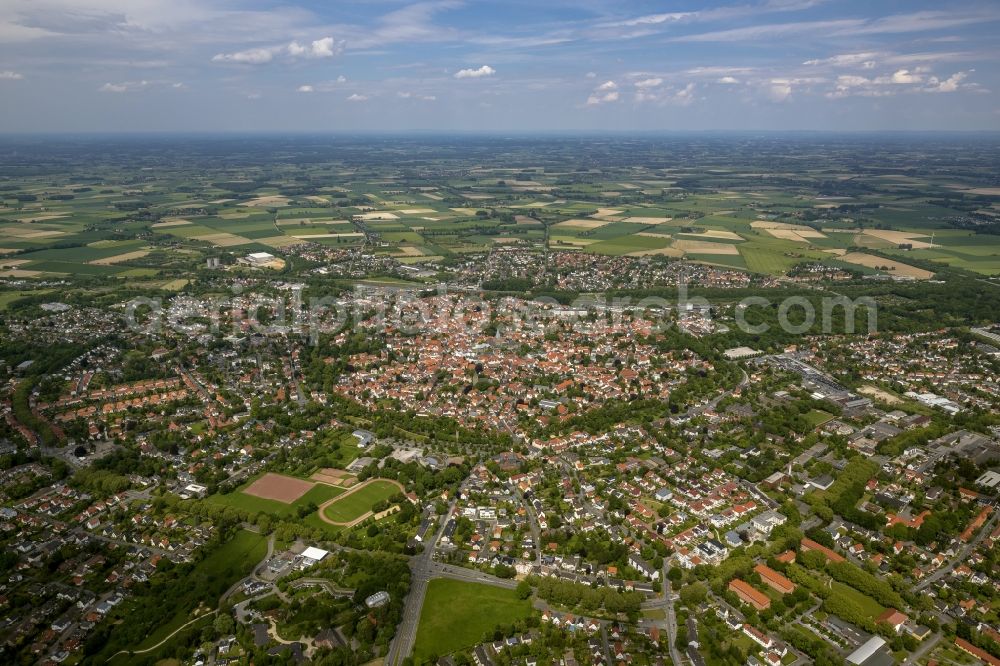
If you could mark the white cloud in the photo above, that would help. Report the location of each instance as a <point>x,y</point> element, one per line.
<point>10,76</point>
<point>649,83</point>
<point>124,86</point>
<point>607,85</point>
<point>327,47</point>
<point>341,79</point>
<point>485,70</point>
<point>247,57</point>
<point>906,76</point>
<point>405,94</point>
<point>951,84</point>
<point>357,98</point>
<point>596,98</point>
<point>684,96</point>
<point>846,59</point>
<point>728,80</point>
<point>306,89</point>
<point>779,89</point>
<point>591,75</point>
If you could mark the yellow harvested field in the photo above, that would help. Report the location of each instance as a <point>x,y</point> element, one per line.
<point>607,212</point>
<point>523,220</point>
<point>223,239</point>
<point>705,247</point>
<point>409,251</point>
<point>11,263</point>
<point>900,237</point>
<point>581,223</point>
<point>417,211</point>
<point>7,250</point>
<point>981,191</point>
<point>280,241</point>
<point>653,234</point>
<point>801,236</point>
<point>318,199</point>
<point>128,256</point>
<point>346,234</point>
<point>887,265</point>
<point>23,273</point>
<point>768,224</point>
<point>41,217</point>
<point>435,197</point>
<point>267,201</point>
<point>715,233</point>
<point>233,216</point>
<point>648,220</point>
<point>839,251</point>
<point>28,233</point>
<point>171,222</point>
<point>661,252</point>
<point>378,215</point>
<point>575,242</point>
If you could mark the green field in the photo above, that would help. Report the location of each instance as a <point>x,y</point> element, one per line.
<point>360,502</point>
<point>209,579</point>
<point>817,417</point>
<point>318,494</point>
<point>870,607</point>
<point>456,615</point>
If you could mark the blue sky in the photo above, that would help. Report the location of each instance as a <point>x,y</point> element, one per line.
<point>303,65</point>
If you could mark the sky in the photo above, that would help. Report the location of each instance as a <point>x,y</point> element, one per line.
<point>497,66</point>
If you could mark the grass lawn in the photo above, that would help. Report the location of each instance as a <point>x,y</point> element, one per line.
<point>360,502</point>
<point>817,417</point>
<point>456,615</point>
<point>870,607</point>
<point>211,577</point>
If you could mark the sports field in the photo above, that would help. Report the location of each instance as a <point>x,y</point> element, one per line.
<point>316,495</point>
<point>358,502</point>
<point>456,614</point>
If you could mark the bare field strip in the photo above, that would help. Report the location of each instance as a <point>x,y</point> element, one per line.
<point>705,247</point>
<point>768,224</point>
<point>378,215</point>
<point>581,223</point>
<point>661,252</point>
<point>266,201</point>
<point>309,220</point>
<point>280,241</point>
<point>648,220</point>
<point>346,234</point>
<point>224,239</point>
<point>278,487</point>
<point>800,236</point>
<point>127,256</point>
<point>888,265</point>
<point>23,273</point>
<point>41,218</point>
<point>171,222</point>
<point>715,233</point>
<point>900,238</point>
<point>27,233</point>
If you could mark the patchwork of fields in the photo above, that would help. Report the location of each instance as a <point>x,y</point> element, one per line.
<point>151,235</point>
